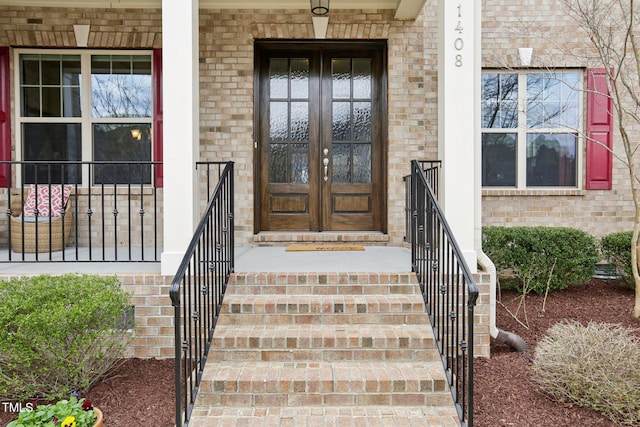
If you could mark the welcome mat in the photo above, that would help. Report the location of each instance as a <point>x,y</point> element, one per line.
<point>324,247</point>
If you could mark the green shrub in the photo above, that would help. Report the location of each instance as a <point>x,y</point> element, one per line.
<point>60,334</point>
<point>539,256</point>
<point>595,366</point>
<point>616,248</point>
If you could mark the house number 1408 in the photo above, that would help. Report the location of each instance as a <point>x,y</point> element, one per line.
<point>458,43</point>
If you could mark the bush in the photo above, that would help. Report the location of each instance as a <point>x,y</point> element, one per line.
<point>616,248</point>
<point>595,366</point>
<point>60,334</point>
<point>539,256</point>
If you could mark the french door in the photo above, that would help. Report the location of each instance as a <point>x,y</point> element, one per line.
<point>320,143</point>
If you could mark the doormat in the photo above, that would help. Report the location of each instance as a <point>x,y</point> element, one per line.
<point>324,247</point>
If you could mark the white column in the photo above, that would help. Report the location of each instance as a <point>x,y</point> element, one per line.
<point>458,106</point>
<point>181,135</point>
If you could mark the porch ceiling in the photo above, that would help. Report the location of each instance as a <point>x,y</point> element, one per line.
<point>405,9</point>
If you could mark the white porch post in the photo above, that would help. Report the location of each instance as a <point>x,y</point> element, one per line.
<point>181,135</point>
<point>458,99</point>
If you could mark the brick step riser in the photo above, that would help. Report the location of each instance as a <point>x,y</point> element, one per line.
<point>310,399</point>
<point>323,278</point>
<point>323,308</point>
<point>324,319</point>
<point>322,289</point>
<point>318,342</point>
<point>324,355</point>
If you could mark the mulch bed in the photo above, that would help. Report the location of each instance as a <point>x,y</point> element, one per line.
<point>504,393</point>
<point>140,393</point>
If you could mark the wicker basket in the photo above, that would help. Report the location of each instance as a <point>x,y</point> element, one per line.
<point>50,228</point>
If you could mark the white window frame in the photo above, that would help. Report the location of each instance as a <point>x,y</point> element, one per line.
<point>86,120</point>
<point>521,130</point>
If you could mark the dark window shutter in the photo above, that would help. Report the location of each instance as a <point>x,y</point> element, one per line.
<point>599,131</point>
<point>5,116</point>
<point>157,114</point>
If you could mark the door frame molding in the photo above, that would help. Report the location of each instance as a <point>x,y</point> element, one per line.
<point>287,45</point>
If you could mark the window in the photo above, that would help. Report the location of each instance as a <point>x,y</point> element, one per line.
<point>86,107</point>
<point>530,125</point>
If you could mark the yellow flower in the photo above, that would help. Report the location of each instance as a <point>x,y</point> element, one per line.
<point>69,422</point>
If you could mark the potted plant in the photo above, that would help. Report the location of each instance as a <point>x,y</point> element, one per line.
<point>73,412</point>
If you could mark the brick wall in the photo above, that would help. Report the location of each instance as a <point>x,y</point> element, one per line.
<point>482,313</point>
<point>560,43</point>
<point>226,71</point>
<point>226,67</point>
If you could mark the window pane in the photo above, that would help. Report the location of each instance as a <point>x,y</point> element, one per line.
<point>362,121</point>
<point>30,69</point>
<point>499,100</point>
<point>341,78</point>
<point>362,78</point>
<point>129,142</point>
<point>300,163</point>
<point>54,142</point>
<point>553,100</point>
<point>116,91</point>
<point>278,121</point>
<point>31,102</point>
<point>70,71</point>
<point>300,78</point>
<point>341,163</point>
<point>50,86</point>
<point>341,121</point>
<point>51,102</point>
<point>499,159</point>
<point>362,163</point>
<point>299,121</point>
<point>278,78</point>
<point>71,102</point>
<point>278,163</point>
<point>551,160</point>
<point>51,70</point>
<point>141,64</point>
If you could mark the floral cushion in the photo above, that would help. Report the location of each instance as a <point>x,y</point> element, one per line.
<point>38,197</point>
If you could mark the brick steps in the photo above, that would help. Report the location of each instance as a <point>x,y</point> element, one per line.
<point>371,416</point>
<point>321,304</point>
<point>314,348</point>
<point>365,283</point>
<point>325,309</point>
<point>323,343</point>
<point>324,383</point>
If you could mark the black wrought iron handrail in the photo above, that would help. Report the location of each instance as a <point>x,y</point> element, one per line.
<point>431,170</point>
<point>448,288</point>
<point>197,291</point>
<point>113,213</point>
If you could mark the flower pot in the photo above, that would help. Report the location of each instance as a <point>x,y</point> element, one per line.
<point>98,422</point>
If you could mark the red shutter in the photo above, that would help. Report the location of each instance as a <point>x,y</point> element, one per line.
<point>5,116</point>
<point>157,114</point>
<point>599,131</point>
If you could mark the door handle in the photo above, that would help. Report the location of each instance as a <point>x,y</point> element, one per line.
<point>325,162</point>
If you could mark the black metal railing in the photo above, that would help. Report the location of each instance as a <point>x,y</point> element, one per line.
<point>448,289</point>
<point>431,170</point>
<point>112,214</point>
<point>209,174</point>
<point>197,292</point>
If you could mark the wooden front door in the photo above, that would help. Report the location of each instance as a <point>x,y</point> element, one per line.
<point>320,145</point>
